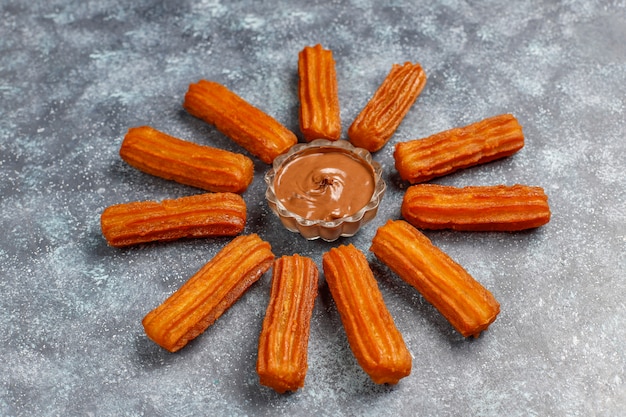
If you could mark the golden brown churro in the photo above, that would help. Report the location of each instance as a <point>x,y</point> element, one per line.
<point>283,343</point>
<point>374,339</point>
<point>443,153</point>
<point>251,128</point>
<point>477,208</point>
<point>203,215</point>
<point>317,89</point>
<point>382,115</point>
<point>165,156</point>
<point>207,294</point>
<point>466,304</point>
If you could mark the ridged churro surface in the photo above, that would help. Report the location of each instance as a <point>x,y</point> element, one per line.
<point>476,208</point>
<point>208,293</point>
<point>462,300</point>
<point>165,156</point>
<point>374,339</point>
<point>283,343</point>
<point>253,129</point>
<point>382,115</point>
<point>420,160</point>
<point>202,215</point>
<point>317,90</point>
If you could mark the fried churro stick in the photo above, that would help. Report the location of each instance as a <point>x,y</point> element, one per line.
<point>208,293</point>
<point>374,339</point>
<point>466,304</point>
<point>420,160</point>
<point>203,215</point>
<point>319,100</point>
<point>283,343</point>
<point>211,169</point>
<point>382,115</point>
<point>477,208</point>
<point>251,128</point>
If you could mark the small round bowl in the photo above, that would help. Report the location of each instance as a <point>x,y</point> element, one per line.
<point>324,229</point>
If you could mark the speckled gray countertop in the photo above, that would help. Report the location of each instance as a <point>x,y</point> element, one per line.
<point>75,75</point>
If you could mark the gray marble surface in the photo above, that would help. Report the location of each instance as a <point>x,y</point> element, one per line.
<point>75,75</point>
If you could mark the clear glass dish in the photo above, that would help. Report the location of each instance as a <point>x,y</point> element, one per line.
<point>324,229</point>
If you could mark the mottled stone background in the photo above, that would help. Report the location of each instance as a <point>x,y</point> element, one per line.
<point>75,75</point>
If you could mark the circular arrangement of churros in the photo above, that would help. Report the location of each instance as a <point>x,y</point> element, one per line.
<point>375,341</point>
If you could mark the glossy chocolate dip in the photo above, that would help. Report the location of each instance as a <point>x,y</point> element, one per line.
<point>324,184</point>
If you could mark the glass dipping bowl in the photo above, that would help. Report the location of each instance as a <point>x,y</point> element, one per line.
<point>325,229</point>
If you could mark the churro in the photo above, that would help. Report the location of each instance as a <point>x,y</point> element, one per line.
<point>420,160</point>
<point>256,131</point>
<point>382,115</point>
<point>165,156</point>
<point>210,292</point>
<point>462,300</point>
<point>317,89</point>
<point>202,215</point>
<point>374,339</point>
<point>283,343</point>
<point>476,208</point>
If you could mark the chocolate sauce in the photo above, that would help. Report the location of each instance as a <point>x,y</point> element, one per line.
<point>324,184</point>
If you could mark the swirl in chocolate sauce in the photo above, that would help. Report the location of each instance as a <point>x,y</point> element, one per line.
<point>324,184</point>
